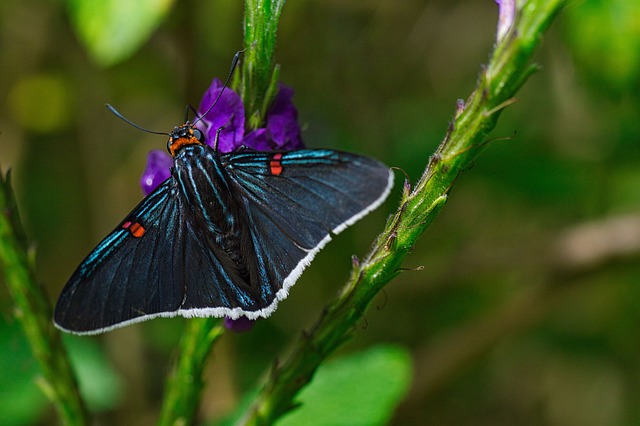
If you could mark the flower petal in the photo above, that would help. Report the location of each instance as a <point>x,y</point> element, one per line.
<point>506,16</point>
<point>157,171</point>
<point>227,114</point>
<point>239,325</point>
<point>282,121</point>
<point>259,140</point>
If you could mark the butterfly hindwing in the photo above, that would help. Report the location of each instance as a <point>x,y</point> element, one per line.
<point>295,201</point>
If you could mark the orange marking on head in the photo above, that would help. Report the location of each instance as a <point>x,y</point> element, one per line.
<point>275,166</point>
<point>181,142</point>
<point>183,136</point>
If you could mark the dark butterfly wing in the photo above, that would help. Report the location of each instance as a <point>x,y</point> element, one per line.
<point>294,202</point>
<point>150,266</point>
<point>95,298</point>
<point>163,259</point>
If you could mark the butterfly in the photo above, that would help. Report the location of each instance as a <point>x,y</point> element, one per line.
<point>224,235</point>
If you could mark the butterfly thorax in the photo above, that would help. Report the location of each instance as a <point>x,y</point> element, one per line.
<point>205,185</point>
<point>182,136</point>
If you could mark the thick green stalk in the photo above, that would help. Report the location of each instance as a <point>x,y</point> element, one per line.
<point>185,384</point>
<point>259,73</point>
<point>509,66</point>
<point>33,312</point>
<point>258,87</point>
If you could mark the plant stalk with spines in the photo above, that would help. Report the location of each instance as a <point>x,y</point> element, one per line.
<point>509,66</point>
<point>33,311</point>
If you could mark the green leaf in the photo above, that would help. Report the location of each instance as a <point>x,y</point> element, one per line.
<point>360,389</point>
<point>99,384</point>
<point>21,401</point>
<point>606,40</point>
<point>112,30</point>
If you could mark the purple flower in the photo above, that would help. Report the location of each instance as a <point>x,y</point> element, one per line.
<point>506,16</point>
<point>227,114</point>
<point>226,120</point>
<point>227,117</point>
<point>239,325</point>
<point>157,171</point>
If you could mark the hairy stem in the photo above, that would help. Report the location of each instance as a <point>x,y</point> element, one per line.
<point>259,73</point>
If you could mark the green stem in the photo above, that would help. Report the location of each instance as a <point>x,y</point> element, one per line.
<point>185,384</point>
<point>508,68</point>
<point>259,73</point>
<point>33,312</point>
<point>258,87</point>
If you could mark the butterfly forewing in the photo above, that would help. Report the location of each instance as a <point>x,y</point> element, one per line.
<point>112,285</point>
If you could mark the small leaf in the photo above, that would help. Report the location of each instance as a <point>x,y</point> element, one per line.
<point>99,384</point>
<point>361,389</point>
<point>112,30</point>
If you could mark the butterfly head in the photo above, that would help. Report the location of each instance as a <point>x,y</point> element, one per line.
<point>182,136</point>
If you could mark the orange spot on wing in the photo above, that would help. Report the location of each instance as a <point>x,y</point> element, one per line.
<point>136,229</point>
<point>275,166</point>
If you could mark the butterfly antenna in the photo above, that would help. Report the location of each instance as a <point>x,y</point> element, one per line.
<point>234,64</point>
<point>131,123</point>
<point>186,112</point>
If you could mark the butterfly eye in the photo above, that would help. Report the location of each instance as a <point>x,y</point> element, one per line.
<point>198,135</point>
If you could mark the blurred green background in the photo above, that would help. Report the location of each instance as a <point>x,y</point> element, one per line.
<point>528,307</point>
